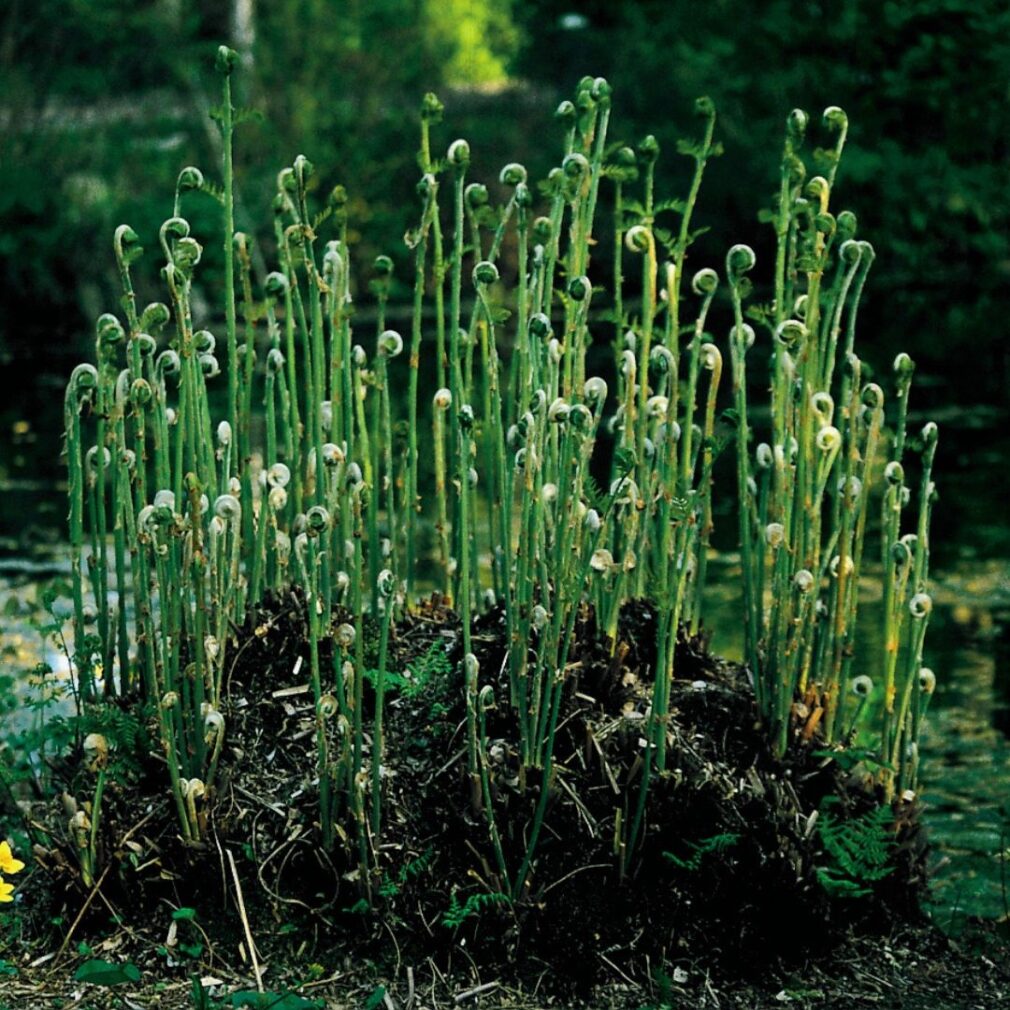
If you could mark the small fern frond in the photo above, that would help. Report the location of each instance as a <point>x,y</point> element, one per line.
<point>700,849</point>
<point>859,850</point>
<point>475,904</point>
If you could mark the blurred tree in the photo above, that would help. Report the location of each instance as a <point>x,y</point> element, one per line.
<point>477,38</point>
<point>103,102</point>
<point>343,84</point>
<point>89,105</point>
<point>93,127</point>
<point>925,85</point>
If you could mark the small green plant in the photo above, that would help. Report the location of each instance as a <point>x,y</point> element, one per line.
<point>107,973</point>
<point>848,758</point>
<point>700,849</point>
<point>427,671</point>
<point>667,996</point>
<point>198,995</point>
<point>858,850</point>
<point>420,678</point>
<point>391,886</point>
<point>185,938</point>
<point>475,905</point>
<point>376,998</point>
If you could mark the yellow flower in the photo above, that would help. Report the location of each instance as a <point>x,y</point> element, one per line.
<point>6,891</point>
<point>8,864</point>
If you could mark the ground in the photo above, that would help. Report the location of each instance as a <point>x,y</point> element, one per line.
<point>739,895</point>
<point>910,969</point>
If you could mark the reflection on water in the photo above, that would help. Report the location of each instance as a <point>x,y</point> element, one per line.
<point>967,784</point>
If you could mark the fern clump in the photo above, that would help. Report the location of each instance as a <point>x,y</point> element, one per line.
<point>548,509</point>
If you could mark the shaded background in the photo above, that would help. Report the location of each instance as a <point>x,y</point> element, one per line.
<point>102,102</point>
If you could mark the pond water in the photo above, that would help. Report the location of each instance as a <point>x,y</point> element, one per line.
<point>965,777</point>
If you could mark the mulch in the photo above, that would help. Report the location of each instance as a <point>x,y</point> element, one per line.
<point>724,906</point>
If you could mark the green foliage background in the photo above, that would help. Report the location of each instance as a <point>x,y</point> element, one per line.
<point>927,165</point>
<point>103,102</point>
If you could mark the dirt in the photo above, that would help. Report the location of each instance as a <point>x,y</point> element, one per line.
<point>735,896</point>
<point>905,969</point>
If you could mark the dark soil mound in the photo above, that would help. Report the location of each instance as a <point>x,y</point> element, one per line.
<point>742,857</point>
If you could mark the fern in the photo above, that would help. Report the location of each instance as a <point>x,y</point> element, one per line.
<point>415,867</point>
<point>624,463</point>
<point>849,757</point>
<point>631,217</point>
<point>427,669</point>
<point>595,495</point>
<point>859,850</point>
<point>322,216</point>
<point>717,843</point>
<point>475,904</point>
<point>243,114</point>
<point>393,681</point>
<point>676,206</point>
<point>763,314</point>
<point>696,149</point>
<point>390,886</point>
<point>420,674</point>
<point>488,217</point>
<point>619,173</point>
<point>126,733</point>
<point>681,508</point>
<point>213,190</point>
<point>665,238</point>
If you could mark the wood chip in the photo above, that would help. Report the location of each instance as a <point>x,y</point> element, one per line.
<point>290,692</point>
